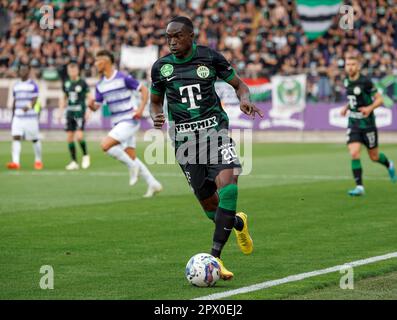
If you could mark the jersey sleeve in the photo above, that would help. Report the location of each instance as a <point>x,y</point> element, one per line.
<point>131,82</point>
<point>98,96</point>
<point>223,68</point>
<point>369,87</point>
<point>157,86</point>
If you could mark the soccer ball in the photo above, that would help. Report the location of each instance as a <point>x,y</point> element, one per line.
<point>202,270</point>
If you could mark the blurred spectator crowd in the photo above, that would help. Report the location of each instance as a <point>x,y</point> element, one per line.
<point>260,38</point>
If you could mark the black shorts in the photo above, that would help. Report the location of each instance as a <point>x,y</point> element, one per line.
<point>74,123</point>
<point>203,166</point>
<point>369,138</point>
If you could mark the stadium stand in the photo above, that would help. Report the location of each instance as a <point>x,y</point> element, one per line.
<point>261,38</point>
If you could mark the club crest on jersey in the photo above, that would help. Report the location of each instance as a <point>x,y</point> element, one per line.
<point>78,88</point>
<point>166,70</point>
<point>203,72</point>
<point>356,90</point>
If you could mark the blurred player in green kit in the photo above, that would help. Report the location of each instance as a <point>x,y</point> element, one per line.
<point>363,100</point>
<point>76,92</point>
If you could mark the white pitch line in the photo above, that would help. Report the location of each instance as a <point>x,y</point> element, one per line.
<point>296,277</point>
<point>165,174</point>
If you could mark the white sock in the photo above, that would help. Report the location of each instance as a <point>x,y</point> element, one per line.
<point>118,153</point>
<point>16,151</point>
<point>37,150</point>
<point>144,172</point>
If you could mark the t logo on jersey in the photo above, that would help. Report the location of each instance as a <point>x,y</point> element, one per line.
<point>352,101</point>
<point>191,96</point>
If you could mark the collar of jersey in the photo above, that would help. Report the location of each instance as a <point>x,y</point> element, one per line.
<point>356,79</point>
<point>177,60</point>
<point>112,77</point>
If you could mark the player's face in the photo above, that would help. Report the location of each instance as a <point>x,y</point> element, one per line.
<point>73,71</point>
<point>179,39</point>
<point>352,67</point>
<point>24,72</point>
<point>101,62</point>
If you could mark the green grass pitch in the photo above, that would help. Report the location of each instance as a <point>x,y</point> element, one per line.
<point>104,241</point>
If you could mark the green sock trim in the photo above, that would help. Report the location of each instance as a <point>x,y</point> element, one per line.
<point>83,146</point>
<point>228,197</point>
<point>210,214</point>
<point>72,150</point>
<point>382,158</point>
<point>356,164</point>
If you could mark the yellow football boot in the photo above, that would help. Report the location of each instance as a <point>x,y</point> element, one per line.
<point>224,273</point>
<point>244,239</point>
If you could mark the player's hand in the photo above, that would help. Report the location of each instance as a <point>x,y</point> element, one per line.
<point>366,111</point>
<point>250,109</point>
<point>158,120</point>
<point>137,114</point>
<point>343,111</point>
<point>27,107</point>
<point>91,104</point>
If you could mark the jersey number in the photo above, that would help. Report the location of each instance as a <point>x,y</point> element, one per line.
<point>229,154</point>
<point>191,90</point>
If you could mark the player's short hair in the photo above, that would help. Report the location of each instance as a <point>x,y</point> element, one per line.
<point>24,65</point>
<point>353,56</point>
<point>185,21</point>
<point>105,53</point>
<point>73,62</point>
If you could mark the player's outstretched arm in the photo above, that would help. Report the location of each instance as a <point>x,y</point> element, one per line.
<point>243,94</point>
<point>156,110</point>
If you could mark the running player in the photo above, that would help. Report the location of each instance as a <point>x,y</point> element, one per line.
<point>115,89</point>
<point>197,121</point>
<point>76,91</point>
<point>25,119</point>
<point>363,100</point>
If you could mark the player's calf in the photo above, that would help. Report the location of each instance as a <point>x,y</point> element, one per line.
<point>224,218</point>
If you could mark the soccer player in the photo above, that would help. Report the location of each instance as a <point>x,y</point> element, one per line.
<point>76,91</point>
<point>186,78</point>
<point>115,90</point>
<point>363,100</point>
<point>25,119</point>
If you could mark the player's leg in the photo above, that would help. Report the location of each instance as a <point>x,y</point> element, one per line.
<point>73,165</point>
<point>111,144</point>
<point>225,217</point>
<point>37,148</point>
<point>381,158</point>
<point>376,156</point>
<point>86,161</point>
<point>210,205</point>
<point>70,129</point>
<point>32,133</point>
<point>15,153</point>
<point>226,183</point>
<point>16,133</point>
<point>154,186</point>
<point>354,150</point>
